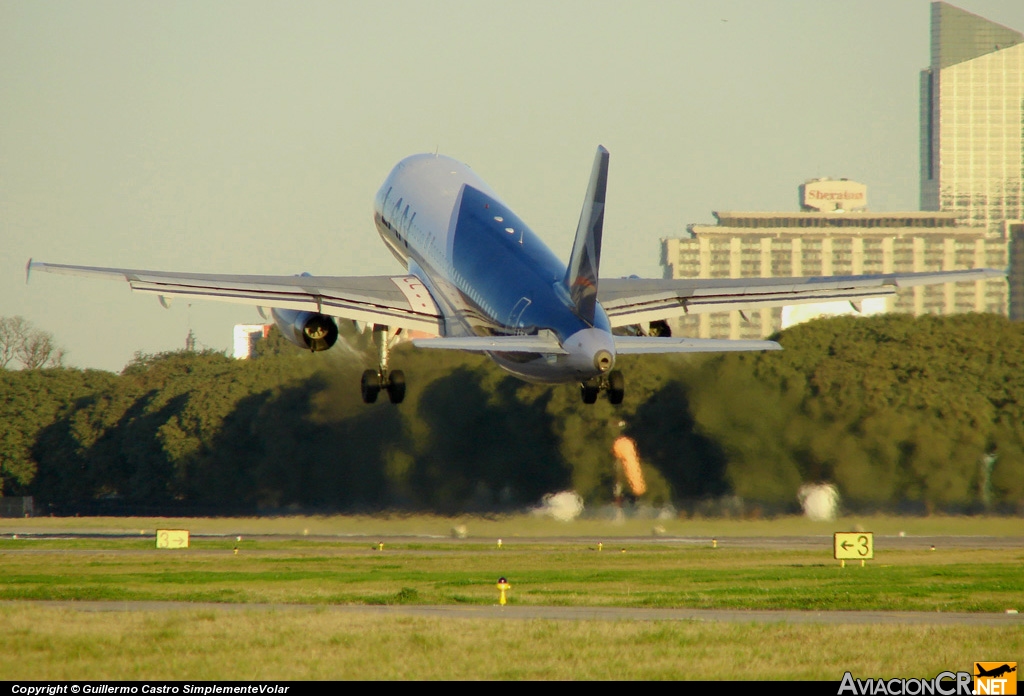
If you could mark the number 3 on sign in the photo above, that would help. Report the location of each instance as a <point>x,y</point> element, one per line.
<point>853,546</point>
<point>172,538</point>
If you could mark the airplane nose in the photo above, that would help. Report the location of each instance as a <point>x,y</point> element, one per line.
<point>603,360</point>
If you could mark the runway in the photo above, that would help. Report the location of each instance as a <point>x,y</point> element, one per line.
<point>527,613</point>
<point>764,543</point>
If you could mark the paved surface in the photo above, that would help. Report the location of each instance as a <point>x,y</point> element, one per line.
<point>513,612</point>
<point>882,542</point>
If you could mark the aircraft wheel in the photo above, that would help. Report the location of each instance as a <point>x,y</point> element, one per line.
<point>589,393</point>
<point>616,387</point>
<point>396,386</point>
<point>370,386</point>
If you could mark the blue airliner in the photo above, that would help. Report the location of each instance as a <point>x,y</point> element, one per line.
<point>478,279</point>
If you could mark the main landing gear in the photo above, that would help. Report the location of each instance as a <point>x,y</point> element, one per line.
<point>613,383</point>
<point>391,381</point>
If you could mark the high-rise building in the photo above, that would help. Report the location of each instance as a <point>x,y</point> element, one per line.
<point>245,338</point>
<point>972,120</point>
<point>972,201</point>
<point>833,234</point>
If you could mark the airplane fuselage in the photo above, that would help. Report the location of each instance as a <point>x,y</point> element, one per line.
<point>488,272</point>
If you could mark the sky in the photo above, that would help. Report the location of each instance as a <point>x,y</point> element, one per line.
<point>251,136</point>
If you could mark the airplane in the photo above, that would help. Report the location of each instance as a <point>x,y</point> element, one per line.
<point>995,671</point>
<point>478,279</point>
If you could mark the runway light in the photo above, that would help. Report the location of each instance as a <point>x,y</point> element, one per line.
<point>503,587</point>
<point>499,543</point>
<point>714,543</point>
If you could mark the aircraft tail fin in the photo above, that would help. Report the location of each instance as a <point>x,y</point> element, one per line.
<point>581,275</point>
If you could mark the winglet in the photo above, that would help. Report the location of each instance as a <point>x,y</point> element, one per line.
<point>28,269</point>
<point>581,275</point>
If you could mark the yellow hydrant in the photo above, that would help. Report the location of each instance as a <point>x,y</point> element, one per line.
<point>503,587</point>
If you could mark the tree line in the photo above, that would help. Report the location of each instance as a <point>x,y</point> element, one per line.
<point>898,412</point>
<point>23,345</point>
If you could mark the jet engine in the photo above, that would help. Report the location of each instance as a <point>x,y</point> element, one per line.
<point>306,329</point>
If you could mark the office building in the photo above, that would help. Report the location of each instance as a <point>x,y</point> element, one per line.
<point>832,234</point>
<point>972,120</point>
<point>245,337</point>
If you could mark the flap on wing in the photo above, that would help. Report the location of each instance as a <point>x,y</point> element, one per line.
<point>625,345</point>
<point>397,301</point>
<point>542,343</point>
<point>636,300</point>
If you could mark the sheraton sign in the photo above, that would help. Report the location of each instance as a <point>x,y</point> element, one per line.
<point>833,195</point>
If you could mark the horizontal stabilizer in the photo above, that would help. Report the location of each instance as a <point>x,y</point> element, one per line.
<point>544,343</point>
<point>626,345</point>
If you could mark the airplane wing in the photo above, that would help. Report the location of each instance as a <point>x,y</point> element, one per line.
<point>396,301</point>
<point>636,300</point>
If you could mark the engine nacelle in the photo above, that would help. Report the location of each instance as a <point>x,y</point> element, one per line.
<point>306,329</point>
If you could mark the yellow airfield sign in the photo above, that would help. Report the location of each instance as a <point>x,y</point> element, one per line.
<point>853,546</point>
<point>172,538</point>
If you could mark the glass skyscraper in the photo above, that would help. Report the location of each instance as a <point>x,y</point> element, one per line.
<point>972,120</point>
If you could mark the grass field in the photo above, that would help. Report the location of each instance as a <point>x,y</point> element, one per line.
<point>311,561</point>
<point>44,643</point>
